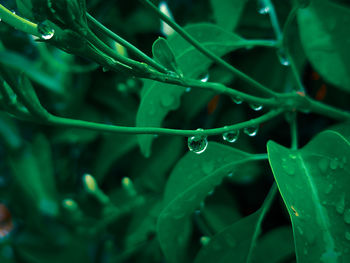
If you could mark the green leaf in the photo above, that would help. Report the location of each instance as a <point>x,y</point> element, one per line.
<point>237,242</point>
<point>227,13</point>
<point>324,28</point>
<point>164,55</point>
<point>189,183</point>
<point>313,182</point>
<point>275,246</point>
<point>157,99</point>
<point>232,244</point>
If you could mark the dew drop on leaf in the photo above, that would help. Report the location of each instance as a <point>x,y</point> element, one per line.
<point>188,89</point>
<point>208,167</point>
<point>347,235</point>
<point>231,136</point>
<point>204,240</point>
<point>334,163</point>
<point>256,107</point>
<point>167,100</point>
<point>46,32</point>
<point>323,164</point>
<point>347,216</point>
<point>263,8</point>
<point>329,188</point>
<point>237,100</point>
<point>197,144</point>
<point>251,131</point>
<point>340,206</point>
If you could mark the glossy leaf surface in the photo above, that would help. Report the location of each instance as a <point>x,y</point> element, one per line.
<point>158,98</point>
<point>189,183</point>
<point>313,182</point>
<point>324,27</point>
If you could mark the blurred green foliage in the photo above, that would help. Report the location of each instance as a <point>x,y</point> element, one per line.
<point>85,195</point>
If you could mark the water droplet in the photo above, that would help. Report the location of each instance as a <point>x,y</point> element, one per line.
<point>334,163</point>
<point>231,136</point>
<point>263,8</point>
<point>256,107</point>
<point>323,164</point>
<point>205,77</point>
<point>204,240</point>
<point>197,144</point>
<point>282,56</point>
<point>230,175</point>
<point>329,188</point>
<point>237,100</point>
<point>251,131</point>
<point>45,30</point>
<point>188,89</point>
<point>288,166</point>
<point>167,100</point>
<point>347,216</point>
<point>211,192</point>
<point>347,236</point>
<point>208,167</point>
<point>340,206</point>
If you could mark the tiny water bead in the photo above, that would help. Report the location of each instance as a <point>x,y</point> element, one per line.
<point>197,144</point>
<point>237,100</point>
<point>256,107</point>
<point>45,30</point>
<point>251,130</point>
<point>231,136</point>
<point>283,58</point>
<point>188,89</point>
<point>263,7</point>
<point>205,77</point>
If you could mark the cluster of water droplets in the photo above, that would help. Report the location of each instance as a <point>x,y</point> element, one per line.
<point>197,144</point>
<point>253,106</point>
<point>45,30</point>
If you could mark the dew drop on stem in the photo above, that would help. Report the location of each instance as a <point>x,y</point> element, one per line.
<point>231,136</point>
<point>45,30</point>
<point>263,8</point>
<point>283,58</point>
<point>256,107</point>
<point>251,130</point>
<point>204,77</point>
<point>237,100</point>
<point>197,144</point>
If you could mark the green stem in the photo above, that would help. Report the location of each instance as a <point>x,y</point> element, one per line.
<point>205,51</point>
<point>294,131</point>
<point>71,123</point>
<point>127,45</point>
<point>263,211</point>
<point>274,20</point>
<point>18,22</point>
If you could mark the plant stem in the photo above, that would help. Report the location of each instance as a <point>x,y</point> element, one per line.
<point>205,51</point>
<point>71,123</point>
<point>274,20</point>
<point>127,45</point>
<point>263,211</point>
<point>18,22</point>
